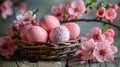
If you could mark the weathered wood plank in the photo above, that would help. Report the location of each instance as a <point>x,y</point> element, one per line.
<point>72,63</point>
<point>29,64</point>
<point>76,63</point>
<point>94,65</point>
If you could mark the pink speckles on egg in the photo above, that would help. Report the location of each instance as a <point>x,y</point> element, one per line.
<point>74,29</point>
<point>59,34</point>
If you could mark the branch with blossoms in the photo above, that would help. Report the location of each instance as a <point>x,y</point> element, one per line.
<point>72,11</point>
<point>96,44</point>
<point>6,7</point>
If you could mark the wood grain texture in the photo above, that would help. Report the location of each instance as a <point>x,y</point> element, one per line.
<point>29,64</point>
<point>72,63</point>
<point>77,64</point>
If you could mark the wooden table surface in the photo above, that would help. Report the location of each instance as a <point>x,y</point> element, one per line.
<point>72,63</point>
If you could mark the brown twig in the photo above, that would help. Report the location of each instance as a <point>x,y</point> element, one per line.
<point>95,20</point>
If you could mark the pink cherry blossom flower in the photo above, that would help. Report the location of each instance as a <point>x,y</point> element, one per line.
<point>97,45</point>
<point>115,6</point>
<point>95,30</point>
<point>26,17</point>
<point>70,10</point>
<point>22,7</point>
<point>22,20</point>
<point>21,29</point>
<point>17,25</point>
<point>6,46</point>
<point>6,9</point>
<point>87,49</point>
<point>58,11</point>
<point>104,51</point>
<point>101,12</point>
<point>68,16</point>
<point>96,34</point>
<point>111,14</point>
<point>77,8</point>
<point>107,37</point>
<point>78,52</point>
<point>84,39</point>
<point>109,34</point>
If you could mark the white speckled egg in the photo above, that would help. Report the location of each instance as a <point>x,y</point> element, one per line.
<point>59,34</point>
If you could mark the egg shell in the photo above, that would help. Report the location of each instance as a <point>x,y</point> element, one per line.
<point>59,34</point>
<point>74,29</point>
<point>49,22</point>
<point>36,34</point>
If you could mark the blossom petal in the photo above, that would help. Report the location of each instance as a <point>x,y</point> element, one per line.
<point>73,4</point>
<point>9,11</point>
<point>4,15</point>
<point>108,58</point>
<point>99,58</point>
<point>114,49</point>
<point>95,30</point>
<point>71,11</point>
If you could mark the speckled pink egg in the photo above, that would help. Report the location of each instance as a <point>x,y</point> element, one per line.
<point>59,34</point>
<point>74,29</point>
<point>49,22</point>
<point>37,34</point>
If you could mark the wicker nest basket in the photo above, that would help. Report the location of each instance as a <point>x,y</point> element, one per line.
<point>48,51</point>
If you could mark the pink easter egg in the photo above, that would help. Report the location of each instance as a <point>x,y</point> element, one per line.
<point>35,34</point>
<point>49,22</point>
<point>74,29</point>
<point>59,34</point>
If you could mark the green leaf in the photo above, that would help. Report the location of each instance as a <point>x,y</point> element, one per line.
<point>85,1</point>
<point>93,1</point>
<point>104,30</point>
<point>107,6</point>
<point>88,4</point>
<point>1,1</point>
<point>15,32</point>
<point>101,4</point>
<point>65,12</point>
<point>35,11</point>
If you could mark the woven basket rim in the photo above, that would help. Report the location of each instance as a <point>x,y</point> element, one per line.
<point>49,43</point>
<point>45,50</point>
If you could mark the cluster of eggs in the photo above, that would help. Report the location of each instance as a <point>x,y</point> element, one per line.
<point>49,29</point>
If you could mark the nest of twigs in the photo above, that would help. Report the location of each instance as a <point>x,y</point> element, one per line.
<point>48,51</point>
